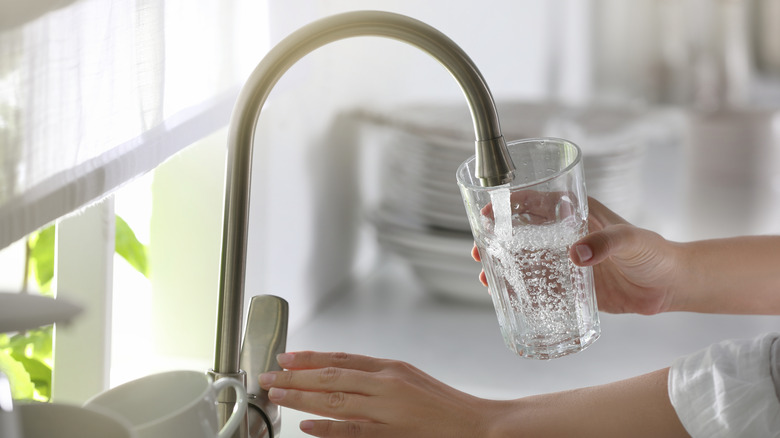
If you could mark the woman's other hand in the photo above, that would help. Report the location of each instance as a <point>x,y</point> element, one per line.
<point>375,398</point>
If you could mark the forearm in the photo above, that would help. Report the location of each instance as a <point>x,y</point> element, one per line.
<point>738,275</point>
<point>635,407</point>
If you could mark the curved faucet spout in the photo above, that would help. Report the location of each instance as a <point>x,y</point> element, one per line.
<point>490,147</point>
<point>494,165</point>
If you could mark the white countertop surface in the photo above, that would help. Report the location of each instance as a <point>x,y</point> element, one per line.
<point>388,314</point>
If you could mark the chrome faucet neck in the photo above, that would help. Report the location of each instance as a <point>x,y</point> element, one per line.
<point>495,165</point>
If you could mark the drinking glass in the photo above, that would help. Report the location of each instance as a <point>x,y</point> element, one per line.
<point>546,305</point>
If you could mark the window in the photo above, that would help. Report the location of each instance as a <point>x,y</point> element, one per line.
<point>96,93</point>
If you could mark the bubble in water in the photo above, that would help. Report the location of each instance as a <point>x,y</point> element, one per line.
<point>537,279</point>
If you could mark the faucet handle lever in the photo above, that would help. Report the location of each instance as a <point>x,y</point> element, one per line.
<point>265,337</point>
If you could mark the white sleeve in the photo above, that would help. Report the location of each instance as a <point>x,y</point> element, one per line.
<point>729,389</point>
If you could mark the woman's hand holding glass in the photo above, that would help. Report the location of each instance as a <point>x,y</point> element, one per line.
<point>634,269</point>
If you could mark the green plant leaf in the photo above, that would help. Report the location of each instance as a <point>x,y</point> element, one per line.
<point>39,374</point>
<point>128,246</point>
<point>34,344</point>
<point>21,385</point>
<point>33,351</point>
<point>42,257</point>
<point>26,357</point>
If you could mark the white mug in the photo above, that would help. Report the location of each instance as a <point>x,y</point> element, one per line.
<point>43,420</point>
<point>173,404</point>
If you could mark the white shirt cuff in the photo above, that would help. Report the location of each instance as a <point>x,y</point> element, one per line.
<point>727,390</point>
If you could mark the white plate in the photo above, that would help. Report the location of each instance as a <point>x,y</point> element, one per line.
<point>440,259</point>
<point>28,311</point>
<point>463,287</point>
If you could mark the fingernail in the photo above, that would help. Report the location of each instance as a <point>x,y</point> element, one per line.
<point>307,426</point>
<point>284,359</point>
<point>276,394</point>
<point>583,252</point>
<point>266,379</point>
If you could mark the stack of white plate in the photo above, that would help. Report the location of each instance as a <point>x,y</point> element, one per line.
<point>440,258</point>
<point>613,142</point>
<point>418,182</point>
<point>420,213</point>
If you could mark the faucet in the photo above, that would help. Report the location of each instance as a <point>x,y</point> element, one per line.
<point>267,320</point>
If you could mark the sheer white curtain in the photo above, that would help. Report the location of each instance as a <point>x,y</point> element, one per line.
<point>94,93</point>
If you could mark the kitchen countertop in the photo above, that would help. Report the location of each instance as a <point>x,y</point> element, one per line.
<point>389,314</point>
